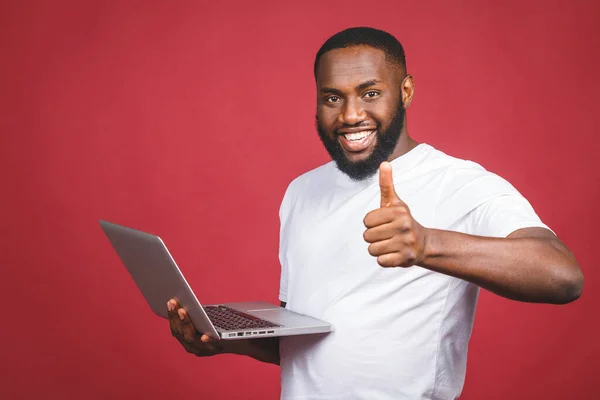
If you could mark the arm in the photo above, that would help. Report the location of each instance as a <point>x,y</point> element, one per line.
<point>266,350</point>
<point>531,264</point>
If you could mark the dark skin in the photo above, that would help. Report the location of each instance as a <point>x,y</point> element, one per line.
<point>194,342</point>
<point>357,87</point>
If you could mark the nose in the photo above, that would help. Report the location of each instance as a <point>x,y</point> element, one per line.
<point>352,113</point>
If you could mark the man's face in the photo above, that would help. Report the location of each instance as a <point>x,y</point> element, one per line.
<point>359,108</point>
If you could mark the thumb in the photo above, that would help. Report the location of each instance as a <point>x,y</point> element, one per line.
<point>386,185</point>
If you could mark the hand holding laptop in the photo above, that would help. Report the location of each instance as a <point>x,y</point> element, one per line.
<point>192,341</point>
<point>201,345</point>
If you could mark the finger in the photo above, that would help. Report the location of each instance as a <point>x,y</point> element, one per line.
<point>383,247</point>
<point>173,325</point>
<point>172,306</point>
<point>190,334</point>
<point>386,186</point>
<point>174,321</point>
<point>382,216</point>
<point>379,233</point>
<point>204,350</point>
<point>205,338</point>
<point>390,260</point>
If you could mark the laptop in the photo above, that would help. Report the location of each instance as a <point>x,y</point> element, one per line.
<point>159,279</point>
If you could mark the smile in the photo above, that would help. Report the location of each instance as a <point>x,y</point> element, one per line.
<point>353,137</point>
<point>357,141</point>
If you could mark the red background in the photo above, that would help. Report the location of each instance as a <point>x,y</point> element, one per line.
<point>189,119</point>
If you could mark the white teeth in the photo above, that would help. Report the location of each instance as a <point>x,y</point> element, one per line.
<point>357,135</point>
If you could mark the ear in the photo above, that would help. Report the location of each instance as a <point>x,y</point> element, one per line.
<point>407,90</point>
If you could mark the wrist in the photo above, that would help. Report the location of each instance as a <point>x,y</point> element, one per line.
<point>431,247</point>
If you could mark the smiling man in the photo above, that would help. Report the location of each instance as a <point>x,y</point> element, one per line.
<point>360,109</point>
<point>390,243</point>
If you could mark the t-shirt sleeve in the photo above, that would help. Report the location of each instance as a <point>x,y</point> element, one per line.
<point>502,215</point>
<point>284,212</point>
<point>484,204</point>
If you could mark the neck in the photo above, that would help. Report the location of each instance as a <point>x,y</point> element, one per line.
<point>404,145</point>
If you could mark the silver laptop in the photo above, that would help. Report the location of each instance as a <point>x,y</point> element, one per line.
<point>159,279</point>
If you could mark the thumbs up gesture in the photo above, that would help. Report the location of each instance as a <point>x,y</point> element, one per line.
<point>395,238</point>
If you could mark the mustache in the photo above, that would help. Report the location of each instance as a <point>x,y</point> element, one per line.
<point>362,124</point>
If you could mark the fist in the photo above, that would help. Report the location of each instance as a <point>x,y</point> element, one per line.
<point>395,238</point>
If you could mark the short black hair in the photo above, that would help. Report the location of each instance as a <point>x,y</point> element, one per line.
<point>394,52</point>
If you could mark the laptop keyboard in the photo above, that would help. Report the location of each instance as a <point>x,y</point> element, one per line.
<point>228,319</point>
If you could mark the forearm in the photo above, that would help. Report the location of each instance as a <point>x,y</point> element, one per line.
<point>532,269</point>
<point>265,350</point>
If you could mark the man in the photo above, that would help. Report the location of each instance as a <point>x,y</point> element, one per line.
<point>390,243</point>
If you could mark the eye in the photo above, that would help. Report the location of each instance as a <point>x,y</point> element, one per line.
<point>371,94</point>
<point>332,99</point>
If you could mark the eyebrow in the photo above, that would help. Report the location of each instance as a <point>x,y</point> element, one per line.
<point>362,86</point>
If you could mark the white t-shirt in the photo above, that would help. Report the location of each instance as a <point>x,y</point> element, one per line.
<point>399,333</point>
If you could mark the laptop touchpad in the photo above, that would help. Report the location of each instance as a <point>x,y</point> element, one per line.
<point>285,317</point>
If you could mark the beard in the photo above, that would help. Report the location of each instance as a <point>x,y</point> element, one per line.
<point>384,147</point>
